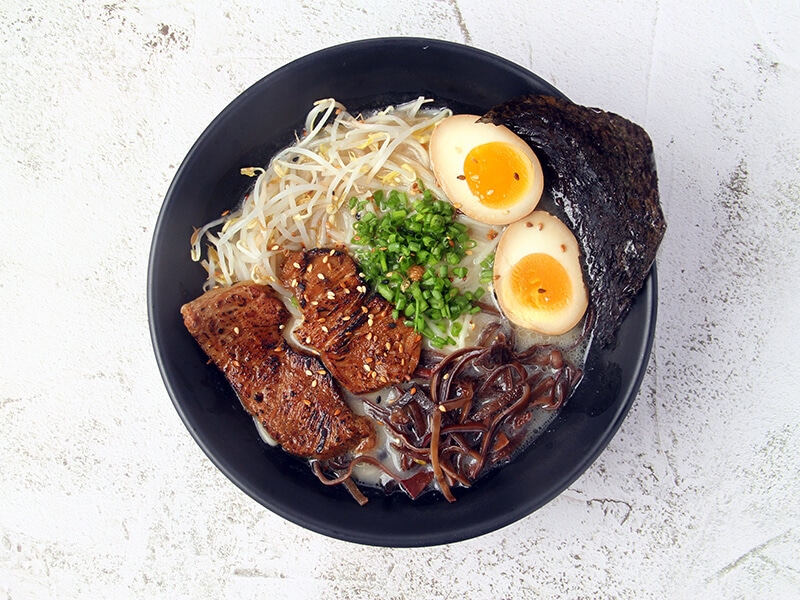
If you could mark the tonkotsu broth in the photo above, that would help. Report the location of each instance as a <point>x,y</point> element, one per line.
<point>300,201</point>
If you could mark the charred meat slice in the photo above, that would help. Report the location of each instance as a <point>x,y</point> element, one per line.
<point>603,176</point>
<point>329,293</point>
<point>379,352</point>
<point>290,393</point>
<point>355,334</point>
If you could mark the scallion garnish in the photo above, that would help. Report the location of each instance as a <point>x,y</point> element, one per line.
<point>410,251</point>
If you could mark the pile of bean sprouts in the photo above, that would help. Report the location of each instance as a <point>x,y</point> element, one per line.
<point>296,199</point>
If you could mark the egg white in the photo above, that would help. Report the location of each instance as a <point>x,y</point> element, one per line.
<point>451,142</point>
<point>540,232</point>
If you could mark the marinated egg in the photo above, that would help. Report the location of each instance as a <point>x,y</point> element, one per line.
<point>486,170</point>
<point>537,275</point>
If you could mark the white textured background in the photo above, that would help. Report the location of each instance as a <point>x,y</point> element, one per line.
<point>104,494</point>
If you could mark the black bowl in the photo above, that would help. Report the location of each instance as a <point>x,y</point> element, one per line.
<point>365,74</point>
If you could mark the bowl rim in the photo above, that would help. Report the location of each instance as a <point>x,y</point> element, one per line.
<point>315,523</point>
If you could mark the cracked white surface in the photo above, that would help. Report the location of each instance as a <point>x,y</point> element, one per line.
<point>104,494</point>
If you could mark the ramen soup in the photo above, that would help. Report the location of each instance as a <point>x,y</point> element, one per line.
<point>446,220</point>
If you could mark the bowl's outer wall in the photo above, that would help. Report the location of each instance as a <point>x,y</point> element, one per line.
<point>265,118</point>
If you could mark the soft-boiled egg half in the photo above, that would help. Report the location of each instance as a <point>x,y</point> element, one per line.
<point>486,170</point>
<point>537,275</point>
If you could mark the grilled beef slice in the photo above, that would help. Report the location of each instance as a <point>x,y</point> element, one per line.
<point>602,174</point>
<point>291,394</point>
<point>358,340</point>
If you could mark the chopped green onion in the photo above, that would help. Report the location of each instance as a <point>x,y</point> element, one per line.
<point>395,234</point>
<point>385,291</point>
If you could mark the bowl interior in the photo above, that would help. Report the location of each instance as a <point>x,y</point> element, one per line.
<point>264,119</point>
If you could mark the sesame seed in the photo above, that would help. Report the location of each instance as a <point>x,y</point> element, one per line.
<point>345,318</point>
<point>275,247</point>
<point>308,372</point>
<point>314,383</point>
<point>388,346</point>
<point>296,265</point>
<point>321,276</point>
<point>331,295</point>
<point>325,329</point>
<point>321,371</point>
<point>332,252</point>
<point>346,291</point>
<point>324,260</point>
<point>445,376</point>
<point>236,330</point>
<point>281,327</point>
<point>366,368</point>
<point>336,412</point>
<point>294,282</point>
<point>374,374</point>
<point>369,336</point>
<point>307,402</point>
<point>308,340</point>
<point>309,268</point>
<point>442,408</point>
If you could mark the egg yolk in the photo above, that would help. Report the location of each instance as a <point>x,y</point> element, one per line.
<point>540,282</point>
<point>496,174</point>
